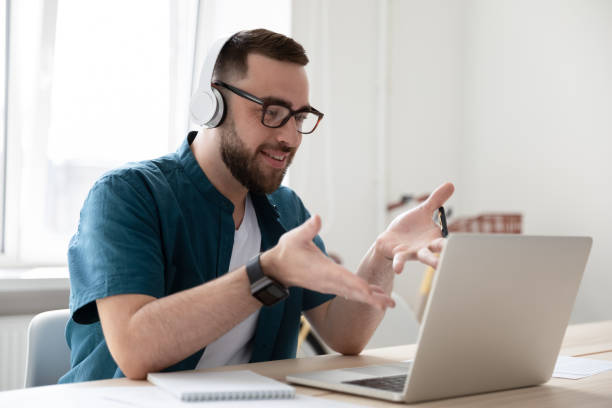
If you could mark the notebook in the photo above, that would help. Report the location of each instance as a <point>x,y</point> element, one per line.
<point>224,385</point>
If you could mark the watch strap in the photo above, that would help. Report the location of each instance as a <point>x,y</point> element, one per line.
<point>265,289</point>
<point>254,271</point>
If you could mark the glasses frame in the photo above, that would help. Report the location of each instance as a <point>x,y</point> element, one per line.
<point>265,103</point>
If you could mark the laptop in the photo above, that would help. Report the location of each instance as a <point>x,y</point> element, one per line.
<point>495,319</point>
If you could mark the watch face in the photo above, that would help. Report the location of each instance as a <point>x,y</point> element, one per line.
<point>271,293</point>
<point>266,298</point>
<point>276,291</point>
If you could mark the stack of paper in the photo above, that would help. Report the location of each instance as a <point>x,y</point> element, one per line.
<point>576,367</point>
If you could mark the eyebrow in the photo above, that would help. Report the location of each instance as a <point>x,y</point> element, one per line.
<point>282,102</point>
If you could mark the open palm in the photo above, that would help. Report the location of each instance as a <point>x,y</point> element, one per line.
<point>413,234</point>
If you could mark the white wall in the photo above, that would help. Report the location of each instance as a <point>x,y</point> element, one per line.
<point>538,124</point>
<point>510,100</point>
<point>338,169</point>
<point>425,85</point>
<point>335,171</point>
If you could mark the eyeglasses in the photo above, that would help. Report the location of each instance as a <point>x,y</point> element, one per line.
<point>275,113</point>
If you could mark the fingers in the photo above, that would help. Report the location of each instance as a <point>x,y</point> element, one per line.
<point>439,196</point>
<point>344,283</point>
<point>399,259</point>
<point>309,229</point>
<point>427,257</point>
<point>385,300</point>
<point>377,291</point>
<point>377,298</point>
<point>437,245</point>
<point>315,271</point>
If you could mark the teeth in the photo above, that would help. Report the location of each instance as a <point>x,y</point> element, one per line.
<point>279,158</point>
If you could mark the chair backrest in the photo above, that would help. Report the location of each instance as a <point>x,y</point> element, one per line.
<point>48,355</point>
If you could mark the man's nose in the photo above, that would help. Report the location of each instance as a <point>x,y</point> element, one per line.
<point>288,134</point>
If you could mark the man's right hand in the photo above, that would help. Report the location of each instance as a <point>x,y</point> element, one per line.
<point>297,261</point>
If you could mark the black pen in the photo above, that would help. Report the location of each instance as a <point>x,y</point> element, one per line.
<point>442,218</point>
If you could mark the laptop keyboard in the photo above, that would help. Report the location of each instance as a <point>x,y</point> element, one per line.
<point>391,383</point>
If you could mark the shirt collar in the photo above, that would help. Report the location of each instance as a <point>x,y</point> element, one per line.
<point>198,177</point>
<point>261,202</point>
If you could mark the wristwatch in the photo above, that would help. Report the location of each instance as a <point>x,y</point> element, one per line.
<point>263,288</point>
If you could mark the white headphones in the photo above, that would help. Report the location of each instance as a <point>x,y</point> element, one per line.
<point>207,107</point>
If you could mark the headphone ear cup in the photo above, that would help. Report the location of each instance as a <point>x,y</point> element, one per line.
<point>207,107</point>
<point>203,107</point>
<point>219,114</point>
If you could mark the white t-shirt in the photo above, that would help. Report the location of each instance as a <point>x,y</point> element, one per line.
<point>235,346</point>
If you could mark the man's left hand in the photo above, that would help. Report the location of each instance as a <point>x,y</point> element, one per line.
<point>413,234</point>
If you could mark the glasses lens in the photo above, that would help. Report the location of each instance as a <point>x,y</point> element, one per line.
<point>306,121</point>
<point>274,115</point>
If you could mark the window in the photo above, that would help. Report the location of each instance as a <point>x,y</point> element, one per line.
<point>106,103</point>
<point>101,83</point>
<point>4,17</point>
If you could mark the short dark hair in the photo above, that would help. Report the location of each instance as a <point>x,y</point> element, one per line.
<point>232,60</point>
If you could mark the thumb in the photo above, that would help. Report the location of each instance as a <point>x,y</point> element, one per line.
<point>310,228</point>
<point>440,196</point>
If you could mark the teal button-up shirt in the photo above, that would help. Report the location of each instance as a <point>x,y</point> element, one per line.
<point>159,227</point>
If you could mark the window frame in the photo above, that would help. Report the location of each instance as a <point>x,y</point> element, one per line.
<point>6,6</point>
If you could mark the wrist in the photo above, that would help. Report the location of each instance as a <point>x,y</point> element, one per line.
<point>379,259</point>
<point>269,266</point>
<point>264,288</point>
<point>376,268</point>
<point>380,253</point>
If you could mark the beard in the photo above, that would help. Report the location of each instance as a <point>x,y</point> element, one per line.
<point>245,166</point>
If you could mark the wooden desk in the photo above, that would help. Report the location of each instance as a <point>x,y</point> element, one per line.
<point>591,339</point>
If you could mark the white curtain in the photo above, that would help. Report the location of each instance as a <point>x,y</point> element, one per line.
<point>184,16</point>
<point>40,216</point>
<point>30,69</point>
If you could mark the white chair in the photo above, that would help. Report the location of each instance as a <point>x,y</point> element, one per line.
<point>48,355</point>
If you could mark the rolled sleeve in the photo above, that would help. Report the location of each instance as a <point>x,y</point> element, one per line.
<point>117,248</point>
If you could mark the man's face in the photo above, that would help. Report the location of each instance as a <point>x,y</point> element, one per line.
<point>258,156</point>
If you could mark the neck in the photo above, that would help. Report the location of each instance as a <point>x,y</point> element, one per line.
<point>206,150</point>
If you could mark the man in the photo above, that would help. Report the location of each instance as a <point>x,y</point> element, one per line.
<point>158,275</point>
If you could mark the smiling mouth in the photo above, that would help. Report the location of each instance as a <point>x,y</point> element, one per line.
<point>279,157</point>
